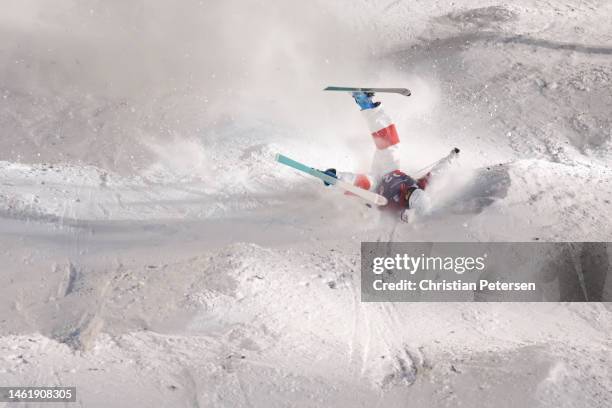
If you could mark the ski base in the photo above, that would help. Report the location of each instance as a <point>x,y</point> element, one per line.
<point>401,91</point>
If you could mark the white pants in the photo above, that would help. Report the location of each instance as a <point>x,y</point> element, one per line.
<point>384,134</point>
<point>386,157</point>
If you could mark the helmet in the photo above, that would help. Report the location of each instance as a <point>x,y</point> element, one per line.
<point>419,202</point>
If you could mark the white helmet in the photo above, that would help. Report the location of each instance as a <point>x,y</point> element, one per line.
<point>419,202</point>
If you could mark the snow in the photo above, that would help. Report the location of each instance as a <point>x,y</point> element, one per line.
<point>154,254</point>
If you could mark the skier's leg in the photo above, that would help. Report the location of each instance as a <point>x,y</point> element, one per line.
<point>360,180</point>
<point>439,168</point>
<point>386,139</point>
<point>384,135</point>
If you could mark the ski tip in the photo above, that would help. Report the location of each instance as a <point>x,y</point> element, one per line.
<point>277,156</point>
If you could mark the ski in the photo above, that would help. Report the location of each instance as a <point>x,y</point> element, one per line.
<point>369,196</point>
<point>401,91</point>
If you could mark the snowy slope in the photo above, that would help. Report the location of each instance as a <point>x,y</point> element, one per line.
<point>151,246</point>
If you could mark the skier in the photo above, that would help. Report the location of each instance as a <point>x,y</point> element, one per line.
<point>403,193</point>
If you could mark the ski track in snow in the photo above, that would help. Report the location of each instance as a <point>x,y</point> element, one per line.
<point>208,275</point>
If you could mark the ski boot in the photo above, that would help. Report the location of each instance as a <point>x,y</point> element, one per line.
<point>331,173</point>
<point>364,100</point>
<point>446,161</point>
<point>452,156</point>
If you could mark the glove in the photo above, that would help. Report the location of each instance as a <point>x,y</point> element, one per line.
<point>331,173</point>
<point>407,215</point>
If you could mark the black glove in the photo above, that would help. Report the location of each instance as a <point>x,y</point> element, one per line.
<point>331,173</point>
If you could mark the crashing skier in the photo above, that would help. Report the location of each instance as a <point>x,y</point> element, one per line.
<point>404,194</point>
